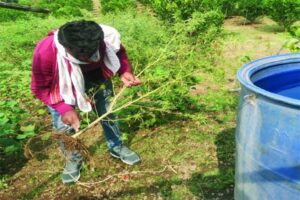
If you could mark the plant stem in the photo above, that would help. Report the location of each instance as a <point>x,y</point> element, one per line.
<point>123,106</point>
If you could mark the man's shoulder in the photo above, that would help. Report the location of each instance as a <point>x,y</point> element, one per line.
<point>45,52</point>
<point>111,37</point>
<point>109,29</point>
<point>46,45</point>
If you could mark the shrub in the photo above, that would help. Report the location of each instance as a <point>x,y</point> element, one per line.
<point>293,44</point>
<point>182,9</point>
<point>181,56</point>
<point>229,7</point>
<point>116,5</point>
<point>66,7</point>
<point>284,12</point>
<point>203,23</point>
<point>250,9</point>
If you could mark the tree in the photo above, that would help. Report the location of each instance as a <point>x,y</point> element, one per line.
<point>250,9</point>
<point>284,12</point>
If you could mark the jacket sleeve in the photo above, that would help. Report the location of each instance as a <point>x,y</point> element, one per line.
<point>42,77</point>
<point>125,65</point>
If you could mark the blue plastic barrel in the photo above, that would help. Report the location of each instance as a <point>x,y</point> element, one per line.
<point>268,130</point>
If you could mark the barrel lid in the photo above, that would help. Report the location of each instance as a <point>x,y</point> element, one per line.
<point>245,73</point>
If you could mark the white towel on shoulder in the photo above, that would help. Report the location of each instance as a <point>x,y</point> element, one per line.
<point>112,40</point>
<point>75,78</point>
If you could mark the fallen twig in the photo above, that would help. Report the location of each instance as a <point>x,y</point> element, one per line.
<point>23,8</point>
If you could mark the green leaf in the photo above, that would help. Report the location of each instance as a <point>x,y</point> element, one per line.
<point>124,137</point>
<point>297,32</point>
<point>6,131</point>
<point>11,149</point>
<point>12,103</point>
<point>41,111</point>
<point>21,136</point>
<point>3,121</point>
<point>46,136</point>
<point>25,135</point>
<point>29,128</point>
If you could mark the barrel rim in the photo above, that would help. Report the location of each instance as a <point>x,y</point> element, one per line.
<point>246,71</point>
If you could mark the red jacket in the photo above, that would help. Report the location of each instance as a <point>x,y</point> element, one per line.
<point>45,81</point>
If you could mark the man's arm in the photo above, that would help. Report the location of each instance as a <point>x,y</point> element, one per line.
<point>41,84</point>
<point>125,73</point>
<point>42,77</point>
<point>125,65</point>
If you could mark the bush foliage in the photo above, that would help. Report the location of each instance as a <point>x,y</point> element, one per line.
<point>294,44</point>
<point>230,7</point>
<point>200,17</point>
<point>116,5</point>
<point>250,9</point>
<point>182,9</point>
<point>284,12</point>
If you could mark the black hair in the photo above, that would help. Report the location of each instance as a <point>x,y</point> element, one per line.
<point>81,37</point>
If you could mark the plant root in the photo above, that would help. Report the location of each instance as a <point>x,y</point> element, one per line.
<point>72,144</point>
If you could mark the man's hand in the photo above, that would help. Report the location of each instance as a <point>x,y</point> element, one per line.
<point>71,118</point>
<point>130,80</point>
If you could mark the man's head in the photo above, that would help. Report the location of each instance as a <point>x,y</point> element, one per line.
<point>81,38</point>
